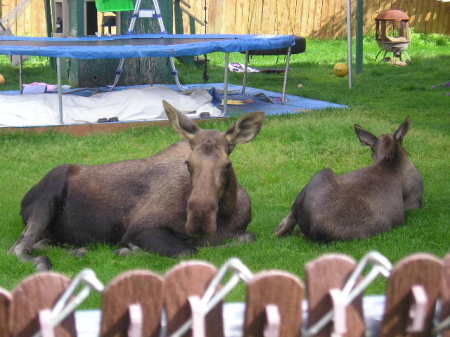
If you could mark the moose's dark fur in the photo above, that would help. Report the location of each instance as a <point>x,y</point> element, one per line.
<point>361,203</point>
<point>170,203</point>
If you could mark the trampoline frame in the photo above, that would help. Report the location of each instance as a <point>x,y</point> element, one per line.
<point>226,65</point>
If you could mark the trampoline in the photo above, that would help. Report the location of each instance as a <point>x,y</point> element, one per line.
<point>144,45</point>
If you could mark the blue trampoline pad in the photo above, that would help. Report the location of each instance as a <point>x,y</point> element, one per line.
<point>143,45</point>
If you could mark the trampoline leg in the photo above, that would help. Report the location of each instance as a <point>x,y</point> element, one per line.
<point>119,71</point>
<point>244,80</point>
<point>286,70</point>
<point>20,74</point>
<point>225,84</point>
<point>58,71</point>
<point>175,75</point>
<point>349,44</point>
<point>171,59</point>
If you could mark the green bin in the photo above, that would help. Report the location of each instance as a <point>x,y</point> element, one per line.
<point>114,5</point>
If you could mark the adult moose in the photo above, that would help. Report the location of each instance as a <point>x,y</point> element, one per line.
<point>361,203</point>
<point>169,203</point>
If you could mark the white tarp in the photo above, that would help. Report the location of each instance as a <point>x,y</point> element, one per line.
<point>136,104</point>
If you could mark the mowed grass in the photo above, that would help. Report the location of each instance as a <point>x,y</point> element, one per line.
<point>274,167</point>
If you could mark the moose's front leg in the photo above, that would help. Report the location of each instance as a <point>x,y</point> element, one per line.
<point>228,239</point>
<point>157,240</point>
<point>128,250</point>
<point>29,239</point>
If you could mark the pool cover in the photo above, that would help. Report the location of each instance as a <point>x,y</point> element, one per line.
<point>143,45</point>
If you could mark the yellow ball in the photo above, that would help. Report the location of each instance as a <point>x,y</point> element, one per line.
<point>2,80</point>
<point>340,69</point>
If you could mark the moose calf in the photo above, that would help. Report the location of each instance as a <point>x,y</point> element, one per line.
<point>361,203</point>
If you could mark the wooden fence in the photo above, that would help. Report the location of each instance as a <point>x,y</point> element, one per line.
<point>308,18</point>
<point>315,18</point>
<point>133,302</point>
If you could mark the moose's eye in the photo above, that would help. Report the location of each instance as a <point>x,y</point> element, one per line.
<point>188,165</point>
<point>228,166</point>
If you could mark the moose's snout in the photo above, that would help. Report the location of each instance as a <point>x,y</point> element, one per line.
<point>202,217</point>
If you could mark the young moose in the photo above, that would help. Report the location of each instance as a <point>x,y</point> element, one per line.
<point>361,203</point>
<point>180,198</point>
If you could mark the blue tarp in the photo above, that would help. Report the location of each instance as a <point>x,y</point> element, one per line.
<point>267,101</point>
<point>142,45</point>
<point>258,102</point>
<point>258,99</point>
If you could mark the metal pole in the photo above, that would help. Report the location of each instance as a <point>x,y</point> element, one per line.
<point>286,70</point>
<point>359,35</point>
<point>225,84</point>
<point>119,69</point>
<point>20,74</point>
<point>60,105</point>
<point>134,17</point>
<point>349,42</point>
<point>244,80</point>
<point>171,59</point>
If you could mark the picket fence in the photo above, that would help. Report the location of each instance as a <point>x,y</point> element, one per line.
<point>189,300</point>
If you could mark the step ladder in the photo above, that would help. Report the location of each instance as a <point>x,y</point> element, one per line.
<point>151,14</point>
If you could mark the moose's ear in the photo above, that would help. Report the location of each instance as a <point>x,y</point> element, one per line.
<point>245,129</point>
<point>182,124</point>
<point>365,137</point>
<point>402,130</point>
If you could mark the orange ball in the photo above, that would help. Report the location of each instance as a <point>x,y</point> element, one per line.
<point>340,69</point>
<point>2,80</point>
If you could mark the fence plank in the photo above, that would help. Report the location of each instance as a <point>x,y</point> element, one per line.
<point>321,18</point>
<point>5,303</point>
<point>284,290</point>
<point>290,10</point>
<point>325,17</point>
<point>134,287</point>
<point>447,15</point>
<point>421,15</point>
<point>246,17</point>
<point>444,17</point>
<point>318,18</point>
<point>190,279</point>
<point>438,17</point>
<point>214,13</point>
<point>334,20</point>
<point>35,293</point>
<point>296,12</point>
<point>323,274</point>
<point>257,13</point>
<point>412,12</point>
<point>418,269</point>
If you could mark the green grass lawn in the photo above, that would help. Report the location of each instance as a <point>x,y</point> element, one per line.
<point>275,166</point>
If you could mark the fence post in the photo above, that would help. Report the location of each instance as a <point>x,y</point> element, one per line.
<point>328,272</point>
<point>419,269</point>
<point>36,293</point>
<point>190,279</point>
<point>137,287</point>
<point>278,288</point>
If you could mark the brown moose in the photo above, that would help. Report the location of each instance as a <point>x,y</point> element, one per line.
<point>361,203</point>
<point>170,203</point>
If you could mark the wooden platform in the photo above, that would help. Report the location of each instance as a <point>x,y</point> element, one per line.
<point>88,129</point>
